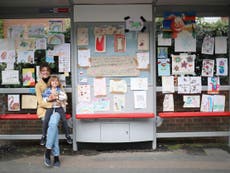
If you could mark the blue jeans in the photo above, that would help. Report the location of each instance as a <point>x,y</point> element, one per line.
<point>52,141</point>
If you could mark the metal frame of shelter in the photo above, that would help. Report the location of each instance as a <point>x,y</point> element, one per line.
<point>157,11</point>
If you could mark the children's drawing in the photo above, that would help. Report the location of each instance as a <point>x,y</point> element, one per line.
<point>207,67</point>
<point>41,43</point>
<point>28,76</point>
<point>163,66</point>
<point>221,45</point>
<point>163,41</point>
<point>143,60</point>
<point>84,93</point>
<point>139,83</point>
<point>208,45</point>
<point>25,44</point>
<point>82,37</point>
<point>213,85</point>
<point>119,43</point>
<point>168,84</point>
<point>13,102</point>
<point>99,87</point>
<point>118,102</point>
<point>10,77</point>
<point>55,26</point>
<point>185,42</point>
<point>183,64</point>
<point>221,66</point>
<point>143,41</point>
<point>168,103</point>
<point>162,52</point>
<point>206,103</point>
<point>191,101</point>
<point>26,57</point>
<point>140,101</point>
<point>85,108</point>
<point>218,103</point>
<point>101,104</point>
<point>118,86</point>
<point>56,39</point>
<point>84,58</point>
<point>189,85</point>
<point>100,43</point>
<point>36,31</point>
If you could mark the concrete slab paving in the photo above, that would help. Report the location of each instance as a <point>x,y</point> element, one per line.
<point>213,160</point>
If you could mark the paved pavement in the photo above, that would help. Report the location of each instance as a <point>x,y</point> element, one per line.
<point>210,160</point>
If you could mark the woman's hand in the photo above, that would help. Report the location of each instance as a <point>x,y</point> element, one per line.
<point>52,97</point>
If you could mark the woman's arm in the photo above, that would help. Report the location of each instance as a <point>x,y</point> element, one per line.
<point>41,102</point>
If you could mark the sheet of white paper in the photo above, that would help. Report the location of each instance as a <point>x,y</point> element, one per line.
<point>164,41</point>
<point>10,77</point>
<point>220,45</point>
<point>208,45</point>
<point>168,84</point>
<point>191,101</point>
<point>184,42</point>
<point>139,83</point>
<point>83,58</point>
<point>140,101</point>
<point>168,103</point>
<point>218,103</point>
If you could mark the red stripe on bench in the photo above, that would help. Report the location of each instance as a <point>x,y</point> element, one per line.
<point>193,114</point>
<point>23,116</point>
<point>120,115</point>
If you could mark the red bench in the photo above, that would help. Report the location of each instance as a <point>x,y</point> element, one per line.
<point>23,116</point>
<point>193,114</point>
<point>115,115</point>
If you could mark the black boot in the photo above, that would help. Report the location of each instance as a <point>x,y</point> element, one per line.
<point>43,140</point>
<point>69,140</point>
<point>47,160</point>
<point>57,162</point>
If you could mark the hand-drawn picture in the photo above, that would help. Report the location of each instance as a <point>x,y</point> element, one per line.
<point>221,45</point>
<point>28,76</point>
<point>143,41</point>
<point>176,22</point>
<point>36,31</point>
<point>183,64</point>
<point>84,93</point>
<point>82,37</point>
<point>55,26</point>
<point>119,43</point>
<point>218,103</point>
<point>13,102</point>
<point>26,56</point>
<point>56,39</point>
<point>143,60</point>
<point>163,66</point>
<point>140,99</point>
<point>168,103</point>
<point>208,45</point>
<point>207,67</point>
<point>118,102</point>
<point>100,43</point>
<point>118,86</point>
<point>101,104</point>
<point>213,85</point>
<point>191,101</point>
<point>99,87</point>
<point>168,84</point>
<point>162,52</point>
<point>221,66</point>
<point>206,103</point>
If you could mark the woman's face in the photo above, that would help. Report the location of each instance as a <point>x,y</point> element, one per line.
<point>45,73</point>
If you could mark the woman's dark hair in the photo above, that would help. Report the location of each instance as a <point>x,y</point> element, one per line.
<point>45,65</point>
